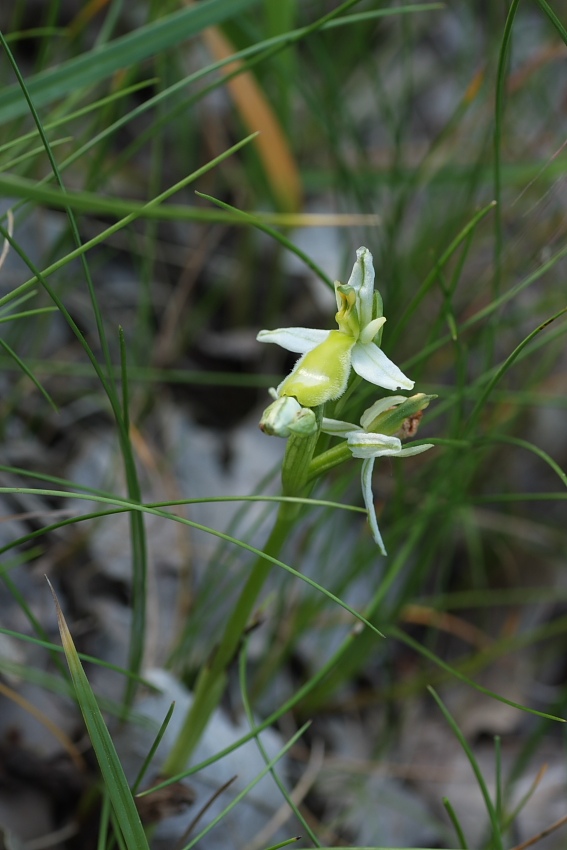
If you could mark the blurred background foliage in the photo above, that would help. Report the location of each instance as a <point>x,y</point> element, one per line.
<point>390,125</point>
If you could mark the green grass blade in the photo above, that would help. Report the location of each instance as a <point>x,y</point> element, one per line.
<point>429,281</point>
<point>271,764</point>
<point>481,401</point>
<point>423,650</point>
<point>496,831</point>
<point>62,201</point>
<point>497,140</point>
<point>126,51</point>
<point>456,823</point>
<point>10,351</point>
<point>262,749</point>
<point>279,237</point>
<point>141,508</point>
<point>525,444</point>
<point>544,5</point>
<point>152,751</point>
<point>121,798</point>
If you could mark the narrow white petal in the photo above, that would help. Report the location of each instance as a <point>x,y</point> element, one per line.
<point>366,481</point>
<point>336,428</point>
<point>371,363</point>
<point>380,406</point>
<point>414,450</point>
<point>362,279</point>
<point>371,329</point>
<point>299,340</point>
<point>366,445</point>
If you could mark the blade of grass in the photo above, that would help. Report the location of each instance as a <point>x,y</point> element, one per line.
<point>61,201</point>
<point>10,351</point>
<point>496,832</point>
<point>137,530</point>
<point>239,797</point>
<point>42,718</point>
<point>394,632</point>
<point>152,751</point>
<point>248,711</point>
<point>279,237</point>
<point>497,139</point>
<point>122,801</point>
<point>429,281</point>
<point>136,506</point>
<point>128,50</point>
<point>544,5</point>
<point>456,823</point>
<point>481,401</point>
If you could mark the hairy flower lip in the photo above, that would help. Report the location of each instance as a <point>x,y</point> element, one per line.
<point>324,376</point>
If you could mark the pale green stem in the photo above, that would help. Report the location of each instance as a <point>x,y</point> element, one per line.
<point>212,677</point>
<point>328,460</point>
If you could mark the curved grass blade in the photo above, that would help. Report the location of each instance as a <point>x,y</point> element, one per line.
<point>490,808</point>
<point>506,365</point>
<point>497,139</point>
<point>248,710</point>
<point>271,764</point>
<point>422,650</point>
<point>531,447</point>
<point>97,65</point>
<point>29,189</point>
<point>44,719</point>
<point>544,5</point>
<point>279,237</point>
<point>456,823</point>
<point>152,751</point>
<point>141,508</point>
<point>121,798</point>
<point>10,351</point>
<point>429,281</point>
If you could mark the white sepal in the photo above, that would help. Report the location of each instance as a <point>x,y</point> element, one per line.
<point>366,481</point>
<point>371,363</point>
<point>298,340</point>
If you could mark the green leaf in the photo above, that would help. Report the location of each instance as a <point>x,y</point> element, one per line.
<point>117,787</point>
<point>100,63</point>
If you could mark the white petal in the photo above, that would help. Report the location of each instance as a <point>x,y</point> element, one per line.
<point>370,330</point>
<point>300,340</point>
<point>414,450</point>
<point>366,480</point>
<point>366,445</point>
<point>336,428</point>
<point>362,279</point>
<point>371,363</point>
<point>380,406</point>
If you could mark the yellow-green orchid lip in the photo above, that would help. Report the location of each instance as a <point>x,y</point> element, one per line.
<point>322,373</point>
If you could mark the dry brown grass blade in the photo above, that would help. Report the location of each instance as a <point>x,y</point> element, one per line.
<point>86,14</point>
<point>543,834</point>
<point>257,114</point>
<point>45,721</point>
<point>424,616</point>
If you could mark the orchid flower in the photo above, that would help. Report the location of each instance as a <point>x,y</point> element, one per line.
<point>366,444</point>
<point>322,372</point>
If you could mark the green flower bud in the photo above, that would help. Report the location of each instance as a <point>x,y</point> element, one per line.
<point>390,415</point>
<point>285,416</point>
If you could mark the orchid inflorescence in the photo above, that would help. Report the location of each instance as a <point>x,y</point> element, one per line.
<point>322,374</point>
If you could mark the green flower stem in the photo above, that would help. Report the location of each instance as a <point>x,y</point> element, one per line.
<point>212,678</point>
<point>328,460</point>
